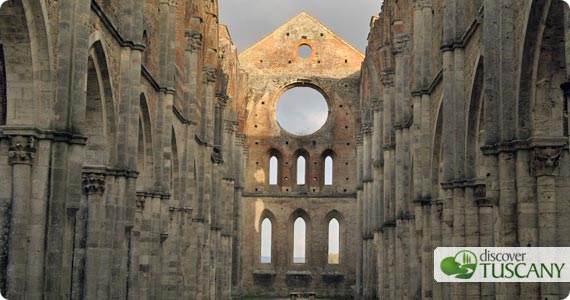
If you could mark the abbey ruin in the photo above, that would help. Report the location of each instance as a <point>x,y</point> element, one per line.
<point>141,156</point>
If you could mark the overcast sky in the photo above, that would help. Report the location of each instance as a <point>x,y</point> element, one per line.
<point>251,20</point>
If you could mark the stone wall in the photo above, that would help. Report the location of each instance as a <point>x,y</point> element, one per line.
<point>462,131</point>
<point>274,66</point>
<point>118,173</point>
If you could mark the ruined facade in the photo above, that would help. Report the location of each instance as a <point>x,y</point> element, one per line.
<point>274,66</point>
<point>120,155</point>
<point>136,147</point>
<point>465,141</point>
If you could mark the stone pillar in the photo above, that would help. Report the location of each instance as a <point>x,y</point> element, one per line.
<point>471,223</point>
<point>193,48</point>
<point>436,240</point>
<point>96,275</point>
<point>21,154</point>
<point>486,207</point>
<point>80,240</point>
<point>545,162</point>
<point>427,251</point>
<point>360,274</point>
<point>241,154</point>
<point>209,84</point>
<point>389,209</point>
<point>135,251</point>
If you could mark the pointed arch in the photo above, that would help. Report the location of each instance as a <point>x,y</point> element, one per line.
<point>3,97</point>
<point>544,18</point>
<point>267,225</point>
<point>437,153</point>
<point>99,124</point>
<point>300,236</point>
<point>175,184</point>
<point>274,167</point>
<point>474,120</point>
<point>27,61</point>
<point>328,157</point>
<point>147,49</point>
<point>333,222</point>
<point>145,149</point>
<point>301,169</point>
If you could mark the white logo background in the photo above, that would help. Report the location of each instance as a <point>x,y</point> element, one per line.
<point>532,255</point>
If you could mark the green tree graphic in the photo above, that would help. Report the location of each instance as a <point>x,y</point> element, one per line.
<point>462,265</point>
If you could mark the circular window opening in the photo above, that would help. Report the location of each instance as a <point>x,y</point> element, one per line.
<point>304,51</point>
<point>302,111</point>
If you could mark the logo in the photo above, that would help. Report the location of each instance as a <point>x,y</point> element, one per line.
<point>462,265</point>
<point>502,264</point>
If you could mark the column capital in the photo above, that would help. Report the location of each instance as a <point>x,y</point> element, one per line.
<point>241,139</point>
<point>401,45</point>
<point>359,140</point>
<point>93,183</point>
<point>367,129</point>
<point>210,74</point>
<point>140,201</point>
<point>377,104</point>
<point>545,160</point>
<point>193,41</point>
<point>230,126</point>
<point>223,100</point>
<point>387,79</point>
<point>421,4</point>
<point>22,149</point>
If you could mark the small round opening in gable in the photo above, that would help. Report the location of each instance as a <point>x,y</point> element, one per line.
<point>304,51</point>
<point>302,111</point>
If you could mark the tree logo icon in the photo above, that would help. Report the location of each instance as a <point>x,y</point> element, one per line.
<point>462,265</point>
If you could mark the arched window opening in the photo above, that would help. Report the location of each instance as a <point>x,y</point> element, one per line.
<point>141,150</point>
<point>273,170</point>
<point>334,242</point>
<point>301,170</point>
<point>266,241</point>
<point>299,238</point>
<point>328,170</point>
<point>146,53</point>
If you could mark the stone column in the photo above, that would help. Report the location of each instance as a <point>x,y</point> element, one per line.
<point>471,218</point>
<point>209,82</point>
<point>360,274</point>
<point>389,208</point>
<point>144,204</point>
<point>486,206</point>
<point>134,253</point>
<point>80,241</point>
<point>96,277</point>
<point>21,154</point>
<point>193,48</point>
<point>436,240</point>
<point>241,154</point>
<point>545,162</point>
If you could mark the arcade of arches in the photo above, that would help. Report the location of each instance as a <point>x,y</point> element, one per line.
<point>141,157</point>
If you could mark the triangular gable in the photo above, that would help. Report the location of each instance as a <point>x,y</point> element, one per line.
<point>276,53</point>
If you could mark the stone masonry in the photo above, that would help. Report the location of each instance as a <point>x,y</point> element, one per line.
<point>120,154</point>
<point>274,66</point>
<point>135,147</point>
<point>468,143</point>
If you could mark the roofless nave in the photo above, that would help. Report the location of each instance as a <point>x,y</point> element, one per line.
<point>141,156</point>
